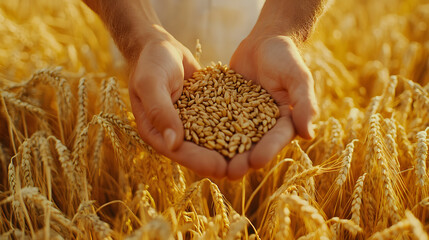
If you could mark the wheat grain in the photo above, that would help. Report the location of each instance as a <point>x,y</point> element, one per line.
<point>25,153</point>
<point>304,175</point>
<point>111,96</point>
<point>403,142</point>
<point>372,108</point>
<point>357,200</point>
<point>178,176</point>
<point>336,135</point>
<point>54,78</point>
<point>220,207</point>
<point>421,153</point>
<point>388,94</point>
<point>90,220</point>
<point>13,100</point>
<point>16,204</point>
<point>404,108</point>
<point>284,231</point>
<point>70,170</point>
<point>78,161</point>
<point>303,159</point>
<point>98,148</point>
<point>158,228</point>
<point>235,228</point>
<point>112,135</point>
<point>346,163</point>
<point>123,126</point>
<point>349,225</point>
<point>147,209</point>
<point>416,226</point>
<point>393,231</point>
<point>82,105</point>
<point>389,194</point>
<point>307,211</point>
<point>32,195</point>
<point>187,196</point>
<point>218,98</point>
<point>390,139</point>
<point>306,163</point>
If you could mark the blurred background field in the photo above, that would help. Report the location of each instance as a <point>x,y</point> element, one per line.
<point>64,132</point>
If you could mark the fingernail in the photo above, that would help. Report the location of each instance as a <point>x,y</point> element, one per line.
<point>169,138</point>
<point>311,130</point>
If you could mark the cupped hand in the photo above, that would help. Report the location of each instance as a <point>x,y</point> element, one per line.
<point>155,83</point>
<point>274,62</point>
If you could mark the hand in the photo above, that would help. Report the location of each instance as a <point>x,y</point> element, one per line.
<point>275,63</point>
<point>156,81</point>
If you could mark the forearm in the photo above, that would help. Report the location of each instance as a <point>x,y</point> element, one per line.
<point>293,18</point>
<point>131,23</point>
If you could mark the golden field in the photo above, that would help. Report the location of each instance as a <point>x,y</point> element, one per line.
<point>72,165</point>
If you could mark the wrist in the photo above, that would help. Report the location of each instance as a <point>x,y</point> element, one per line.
<point>153,33</point>
<point>291,18</point>
<point>277,18</point>
<point>132,45</point>
<point>132,24</point>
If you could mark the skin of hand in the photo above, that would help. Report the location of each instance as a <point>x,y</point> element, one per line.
<point>269,57</point>
<point>275,64</point>
<point>155,83</point>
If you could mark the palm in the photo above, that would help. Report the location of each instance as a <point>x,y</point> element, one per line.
<point>157,82</point>
<point>276,65</point>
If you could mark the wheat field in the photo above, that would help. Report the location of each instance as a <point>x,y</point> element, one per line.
<point>72,165</point>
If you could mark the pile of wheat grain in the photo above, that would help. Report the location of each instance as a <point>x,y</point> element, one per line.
<point>221,110</point>
<point>64,133</point>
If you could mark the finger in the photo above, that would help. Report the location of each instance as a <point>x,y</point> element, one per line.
<point>190,64</point>
<point>203,161</point>
<point>155,99</point>
<point>272,143</point>
<point>238,166</point>
<point>304,103</point>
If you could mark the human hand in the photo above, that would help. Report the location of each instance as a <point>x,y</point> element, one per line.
<point>275,63</point>
<point>155,83</point>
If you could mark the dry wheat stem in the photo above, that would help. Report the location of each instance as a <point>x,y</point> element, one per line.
<point>160,200</point>
<point>249,201</point>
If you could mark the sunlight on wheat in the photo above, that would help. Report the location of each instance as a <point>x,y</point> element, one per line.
<point>72,165</point>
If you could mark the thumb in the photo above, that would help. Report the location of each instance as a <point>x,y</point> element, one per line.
<point>158,107</point>
<point>304,107</point>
